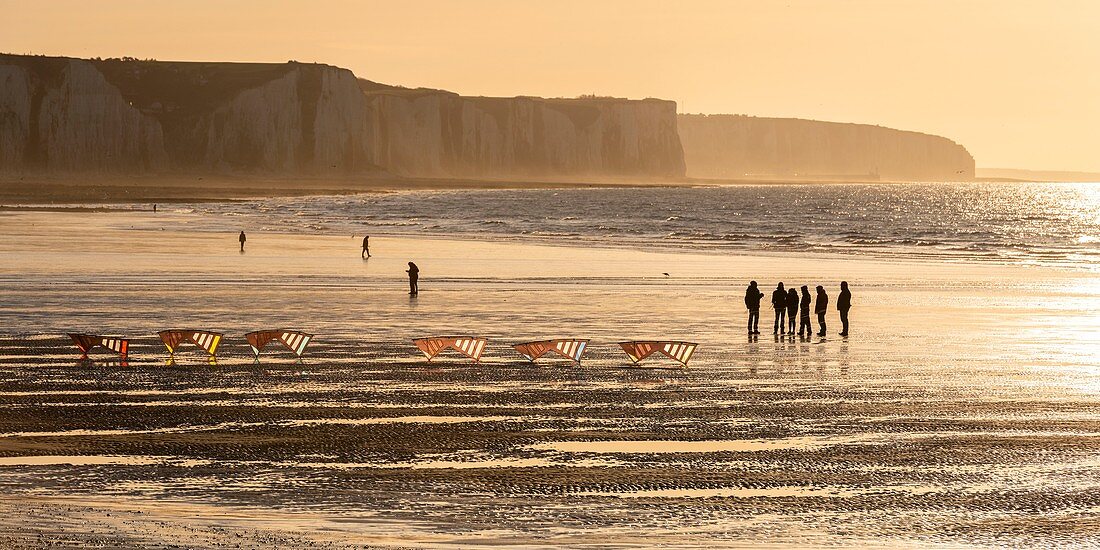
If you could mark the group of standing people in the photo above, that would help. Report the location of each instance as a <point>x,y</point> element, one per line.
<point>787,303</point>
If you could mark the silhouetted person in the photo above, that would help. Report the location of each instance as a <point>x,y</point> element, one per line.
<point>821,306</point>
<point>843,304</point>
<point>779,303</point>
<point>792,309</point>
<point>752,303</point>
<point>414,274</point>
<point>154,208</point>
<point>366,247</point>
<point>242,238</point>
<point>804,317</point>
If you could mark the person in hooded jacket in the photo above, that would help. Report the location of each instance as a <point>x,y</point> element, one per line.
<point>779,303</point>
<point>843,304</point>
<point>821,307</point>
<point>804,317</point>
<point>752,303</point>
<point>414,278</point>
<point>792,309</point>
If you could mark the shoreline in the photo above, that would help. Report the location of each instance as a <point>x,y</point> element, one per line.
<point>146,221</point>
<point>34,189</point>
<point>124,189</point>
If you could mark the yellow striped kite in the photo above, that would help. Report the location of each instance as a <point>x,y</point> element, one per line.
<point>204,339</point>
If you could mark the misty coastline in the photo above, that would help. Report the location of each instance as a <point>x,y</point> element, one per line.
<point>297,125</point>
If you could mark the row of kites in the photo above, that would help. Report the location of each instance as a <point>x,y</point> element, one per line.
<point>468,346</point>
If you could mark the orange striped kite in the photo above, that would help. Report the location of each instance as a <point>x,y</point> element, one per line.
<point>86,342</point>
<point>569,349</point>
<point>202,338</point>
<point>295,341</point>
<point>469,346</point>
<point>679,351</point>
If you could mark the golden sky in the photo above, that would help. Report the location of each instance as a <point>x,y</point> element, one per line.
<point>1016,82</point>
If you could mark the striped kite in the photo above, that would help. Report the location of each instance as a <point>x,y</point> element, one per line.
<point>88,341</point>
<point>202,338</point>
<point>295,341</point>
<point>680,351</point>
<point>469,346</point>
<point>569,349</point>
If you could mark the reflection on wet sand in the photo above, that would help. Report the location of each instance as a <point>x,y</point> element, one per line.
<point>928,428</point>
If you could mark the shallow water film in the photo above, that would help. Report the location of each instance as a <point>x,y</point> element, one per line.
<point>961,410</point>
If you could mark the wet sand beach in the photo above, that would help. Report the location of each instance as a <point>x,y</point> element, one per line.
<point>961,411</point>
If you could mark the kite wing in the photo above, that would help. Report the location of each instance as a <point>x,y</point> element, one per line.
<point>204,339</point>
<point>470,346</point>
<point>86,342</point>
<point>678,351</point>
<point>569,348</point>
<point>295,341</point>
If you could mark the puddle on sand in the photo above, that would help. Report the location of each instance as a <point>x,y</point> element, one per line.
<point>75,460</point>
<point>726,492</point>
<point>452,464</point>
<point>706,446</point>
<point>403,420</point>
<point>804,443</point>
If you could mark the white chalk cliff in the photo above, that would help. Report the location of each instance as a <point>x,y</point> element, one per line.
<point>68,118</point>
<point>130,116</point>
<point>432,133</point>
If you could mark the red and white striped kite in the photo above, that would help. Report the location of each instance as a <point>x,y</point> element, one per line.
<point>202,338</point>
<point>86,342</point>
<point>294,340</point>
<point>469,346</point>
<point>570,349</point>
<point>680,351</point>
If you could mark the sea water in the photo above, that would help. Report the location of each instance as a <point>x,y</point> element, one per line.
<point>1022,223</point>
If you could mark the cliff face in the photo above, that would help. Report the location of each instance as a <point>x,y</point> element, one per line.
<point>433,133</point>
<point>736,146</point>
<point>130,116</point>
<point>308,121</point>
<point>63,116</point>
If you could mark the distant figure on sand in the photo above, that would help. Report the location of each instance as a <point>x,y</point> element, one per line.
<point>242,238</point>
<point>804,313</point>
<point>752,302</point>
<point>414,274</point>
<point>366,247</point>
<point>821,306</point>
<point>792,309</point>
<point>843,304</point>
<point>779,303</point>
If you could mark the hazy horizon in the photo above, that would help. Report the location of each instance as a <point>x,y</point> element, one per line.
<point>1007,80</point>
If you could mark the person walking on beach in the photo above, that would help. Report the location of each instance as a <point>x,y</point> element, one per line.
<point>242,239</point>
<point>752,303</point>
<point>414,274</point>
<point>843,304</point>
<point>821,307</point>
<point>792,309</point>
<point>366,247</point>
<point>779,303</point>
<point>804,317</point>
